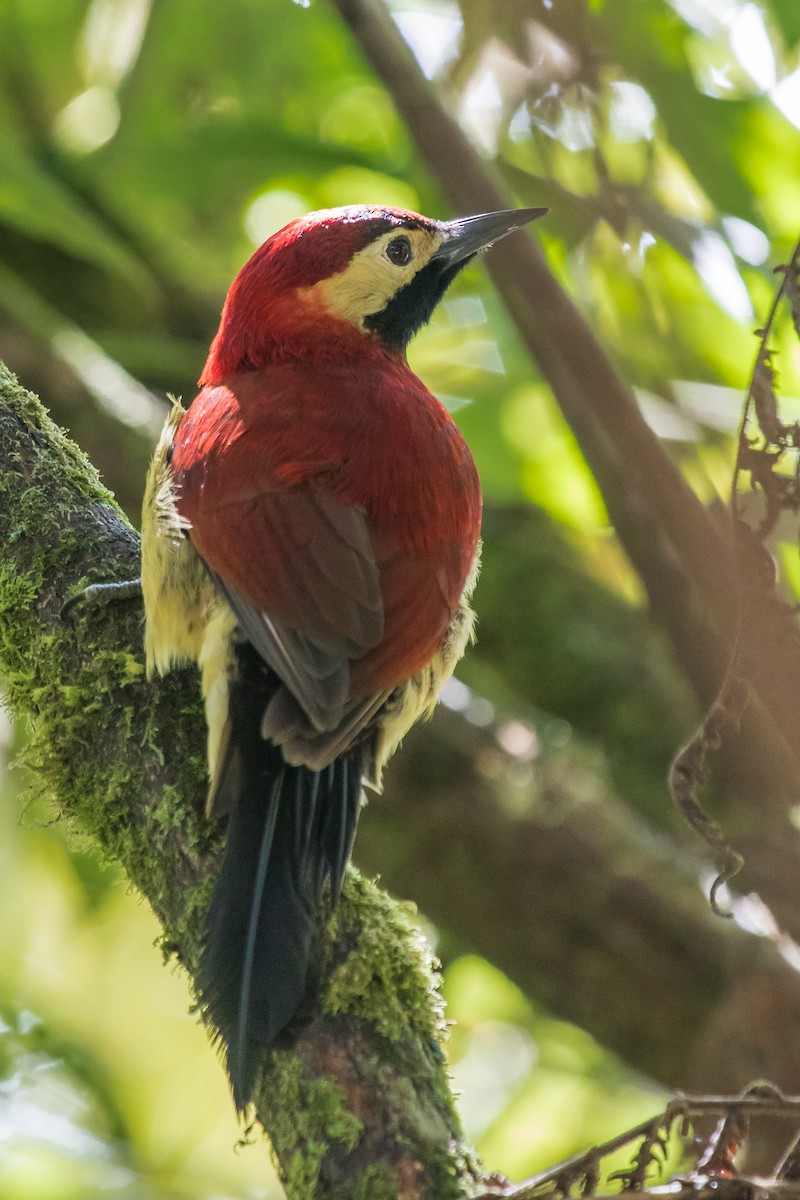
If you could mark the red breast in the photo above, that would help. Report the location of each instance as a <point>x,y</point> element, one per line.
<point>374,437</point>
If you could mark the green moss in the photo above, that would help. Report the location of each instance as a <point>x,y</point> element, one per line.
<point>17,592</point>
<point>169,812</point>
<point>389,978</point>
<point>447,1171</point>
<point>377,1183</point>
<point>73,467</point>
<point>308,1114</point>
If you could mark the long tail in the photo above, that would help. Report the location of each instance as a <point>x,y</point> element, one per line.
<point>290,834</point>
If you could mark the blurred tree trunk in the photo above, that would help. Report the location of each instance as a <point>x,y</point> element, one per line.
<point>684,556</point>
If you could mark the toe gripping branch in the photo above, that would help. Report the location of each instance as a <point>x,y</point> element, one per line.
<point>102,593</point>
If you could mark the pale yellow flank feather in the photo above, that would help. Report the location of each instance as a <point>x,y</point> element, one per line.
<point>175,585</point>
<point>186,621</point>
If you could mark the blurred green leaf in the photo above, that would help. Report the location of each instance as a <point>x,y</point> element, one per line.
<point>231,152</point>
<point>38,204</point>
<point>787,14</point>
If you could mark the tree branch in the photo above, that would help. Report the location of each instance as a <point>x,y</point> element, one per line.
<point>570,646</point>
<point>599,919</point>
<point>359,1105</point>
<point>660,521</point>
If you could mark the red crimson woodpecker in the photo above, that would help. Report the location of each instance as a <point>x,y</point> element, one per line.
<point>310,538</point>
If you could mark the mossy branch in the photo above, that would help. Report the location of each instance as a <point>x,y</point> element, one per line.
<point>359,1106</point>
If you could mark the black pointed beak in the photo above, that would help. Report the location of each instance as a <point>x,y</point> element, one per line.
<point>467,235</point>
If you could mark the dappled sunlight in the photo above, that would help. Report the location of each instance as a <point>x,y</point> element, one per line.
<point>432,31</point>
<point>543,1077</point>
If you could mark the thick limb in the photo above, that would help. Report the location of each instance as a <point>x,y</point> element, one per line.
<point>372,1029</point>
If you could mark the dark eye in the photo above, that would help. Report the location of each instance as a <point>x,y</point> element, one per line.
<point>399,251</point>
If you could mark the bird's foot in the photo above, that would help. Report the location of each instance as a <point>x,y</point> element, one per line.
<point>103,593</point>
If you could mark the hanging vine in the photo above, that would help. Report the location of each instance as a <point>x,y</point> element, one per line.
<point>765,443</point>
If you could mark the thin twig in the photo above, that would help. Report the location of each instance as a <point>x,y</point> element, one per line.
<point>717,1162</point>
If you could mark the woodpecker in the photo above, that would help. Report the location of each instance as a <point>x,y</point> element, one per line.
<point>310,537</point>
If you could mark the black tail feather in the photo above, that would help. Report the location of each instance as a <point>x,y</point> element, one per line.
<point>290,835</point>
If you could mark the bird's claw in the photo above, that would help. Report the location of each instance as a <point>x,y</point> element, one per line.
<point>102,593</point>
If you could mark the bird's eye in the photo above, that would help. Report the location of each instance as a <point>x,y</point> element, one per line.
<point>398,251</point>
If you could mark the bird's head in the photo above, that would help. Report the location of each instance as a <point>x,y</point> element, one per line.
<point>334,283</point>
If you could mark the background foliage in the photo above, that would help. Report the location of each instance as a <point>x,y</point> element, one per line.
<point>146,148</point>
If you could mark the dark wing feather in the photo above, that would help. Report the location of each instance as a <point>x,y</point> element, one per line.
<point>283,723</point>
<point>318,680</point>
